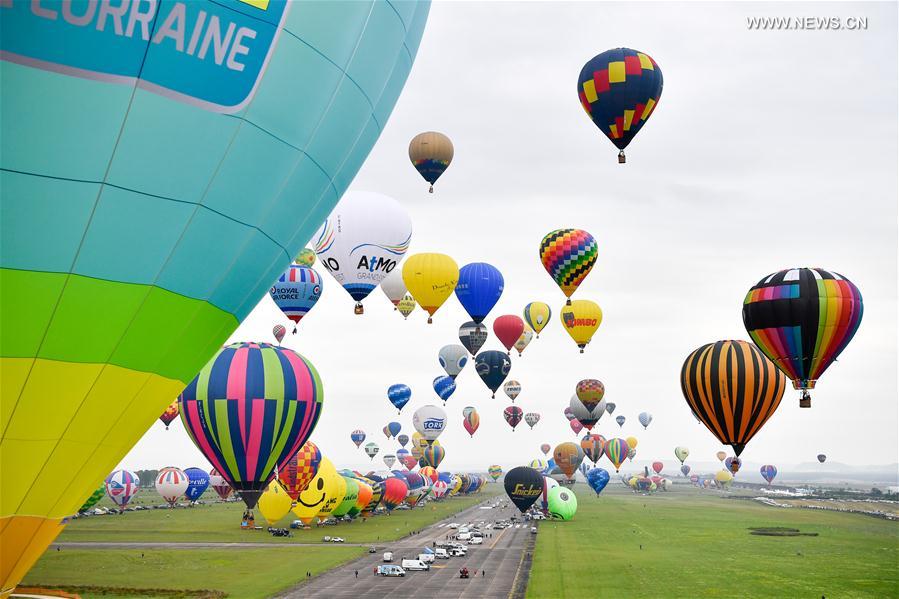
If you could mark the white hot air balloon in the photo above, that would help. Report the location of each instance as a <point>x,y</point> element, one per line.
<point>363,241</point>
<point>394,287</point>
<point>429,421</point>
<point>453,359</point>
<point>171,483</point>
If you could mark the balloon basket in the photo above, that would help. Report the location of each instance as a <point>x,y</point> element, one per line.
<point>358,308</point>
<point>430,320</point>
<point>621,158</point>
<point>431,189</point>
<point>805,400</point>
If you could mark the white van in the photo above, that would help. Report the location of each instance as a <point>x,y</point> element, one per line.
<point>391,570</point>
<point>463,536</point>
<point>388,556</point>
<point>476,541</point>
<point>427,558</point>
<point>440,553</point>
<point>414,564</point>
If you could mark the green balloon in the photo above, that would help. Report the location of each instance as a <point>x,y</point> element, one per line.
<point>349,500</point>
<point>561,503</point>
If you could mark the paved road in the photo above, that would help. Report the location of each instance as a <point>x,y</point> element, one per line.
<point>499,557</point>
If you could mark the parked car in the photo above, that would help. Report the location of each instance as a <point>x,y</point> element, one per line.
<point>372,550</point>
<point>296,524</point>
<point>427,558</point>
<point>441,553</point>
<point>476,541</point>
<point>463,536</point>
<point>415,564</point>
<point>336,540</point>
<point>533,530</point>
<point>280,532</point>
<point>388,556</point>
<point>326,539</point>
<point>390,570</point>
<point>453,525</point>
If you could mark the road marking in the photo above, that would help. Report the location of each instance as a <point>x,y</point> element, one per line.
<point>498,537</point>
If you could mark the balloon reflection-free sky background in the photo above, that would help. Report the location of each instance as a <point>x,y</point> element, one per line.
<point>768,150</point>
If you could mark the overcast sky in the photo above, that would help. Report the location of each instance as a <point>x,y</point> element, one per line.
<point>768,150</point>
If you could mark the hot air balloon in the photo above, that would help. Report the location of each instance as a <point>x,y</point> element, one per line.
<point>336,490</point>
<point>616,450</point>
<point>685,469</point>
<point>393,429</point>
<point>170,414</point>
<point>593,446</point>
<point>371,450</point>
<point>619,89</point>
<point>822,457</point>
<point>645,418</point>
<point>93,498</point>
<point>495,472</point>
<point>493,367</point>
<point>178,194</point>
<point>197,483</point>
<point>597,478</point>
<point>508,328</point>
<point>620,420</point>
<point>733,388</point>
<point>513,415</point>
<point>479,288</point>
<point>296,292</point>
<point>431,154</point>
<point>219,485</point>
<point>581,319</point>
<point>721,455</point>
<point>395,491</point>
<point>545,448</point>
<point>569,415</point>
<point>409,461</point>
<point>568,255</point>
<point>306,257</point>
<point>471,421</point>
<point>171,483</point>
<point>561,504</point>
<point>406,306</point>
<point>632,442</point>
<point>278,332</point>
<point>537,316</point>
<point>121,487</point>
<point>393,287</point>
<point>299,470</point>
<point>350,497</point>
<point>453,359</point>
<point>473,336</point>
<point>733,464</point>
<point>531,418</point>
<point>523,486</point>
<point>585,416</point>
<point>512,389</point>
<point>317,491</point>
<point>768,472</point>
<point>568,457</point>
<point>274,503</point>
<point>444,386</point>
<point>631,454</point>
<point>357,437</point>
<point>524,340</point>
<point>249,409</point>
<point>802,319</point>
<point>389,460</point>
<point>362,241</point>
<point>402,439</point>
<point>681,453</point>
<point>610,407</point>
<point>399,395</point>
<point>439,489</point>
<point>548,485</point>
<point>723,479</point>
<point>657,467</point>
<point>576,426</point>
<point>430,279</point>
<point>429,421</point>
<point>590,392</point>
<point>433,455</point>
<point>539,465</point>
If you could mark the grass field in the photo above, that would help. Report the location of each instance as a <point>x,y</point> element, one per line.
<point>244,572</point>
<point>698,545</point>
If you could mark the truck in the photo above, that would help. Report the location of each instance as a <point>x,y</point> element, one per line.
<point>390,570</point>
<point>415,564</point>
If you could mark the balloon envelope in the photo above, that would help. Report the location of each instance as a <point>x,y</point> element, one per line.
<point>430,279</point>
<point>523,486</point>
<point>513,416</point>
<point>561,503</point>
<point>597,478</point>
<point>429,421</point>
<point>274,503</point>
<point>452,359</point>
<point>568,255</point>
<point>197,483</point>
<point>581,319</point>
<point>508,328</point>
<point>479,288</point>
<point>300,469</point>
<point>399,395</point>
<point>431,153</point>
<point>171,483</point>
<point>296,292</point>
<point>493,367</point>
<point>537,316</point>
<point>121,486</point>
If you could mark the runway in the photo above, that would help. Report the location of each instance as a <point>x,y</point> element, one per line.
<point>498,558</point>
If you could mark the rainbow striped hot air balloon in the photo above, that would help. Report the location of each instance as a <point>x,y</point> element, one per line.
<point>251,408</point>
<point>495,471</point>
<point>433,455</point>
<point>568,255</point>
<point>803,319</point>
<point>616,450</point>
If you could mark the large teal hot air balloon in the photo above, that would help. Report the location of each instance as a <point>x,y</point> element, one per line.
<point>250,409</point>
<point>164,166</point>
<point>619,89</point>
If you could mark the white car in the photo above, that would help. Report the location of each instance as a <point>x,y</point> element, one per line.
<point>476,541</point>
<point>388,556</point>
<point>336,540</point>
<point>463,536</point>
<point>453,525</point>
<point>440,553</point>
<point>463,529</point>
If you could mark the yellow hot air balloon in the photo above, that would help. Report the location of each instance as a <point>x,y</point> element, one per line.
<point>632,482</point>
<point>430,279</point>
<point>457,484</point>
<point>336,486</point>
<point>537,315</point>
<point>406,306</point>
<point>632,442</point>
<point>274,503</point>
<point>316,494</point>
<point>581,319</point>
<point>723,478</point>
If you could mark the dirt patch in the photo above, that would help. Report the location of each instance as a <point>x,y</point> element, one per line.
<point>779,531</point>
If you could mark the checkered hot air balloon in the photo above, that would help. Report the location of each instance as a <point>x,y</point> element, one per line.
<point>803,319</point>
<point>568,255</point>
<point>619,90</point>
<point>249,410</point>
<point>300,469</point>
<point>170,414</point>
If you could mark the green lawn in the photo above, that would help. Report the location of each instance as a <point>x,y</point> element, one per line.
<point>697,544</point>
<point>237,572</point>
<point>220,522</point>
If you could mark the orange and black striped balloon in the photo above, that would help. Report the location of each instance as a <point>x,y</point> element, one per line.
<point>733,389</point>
